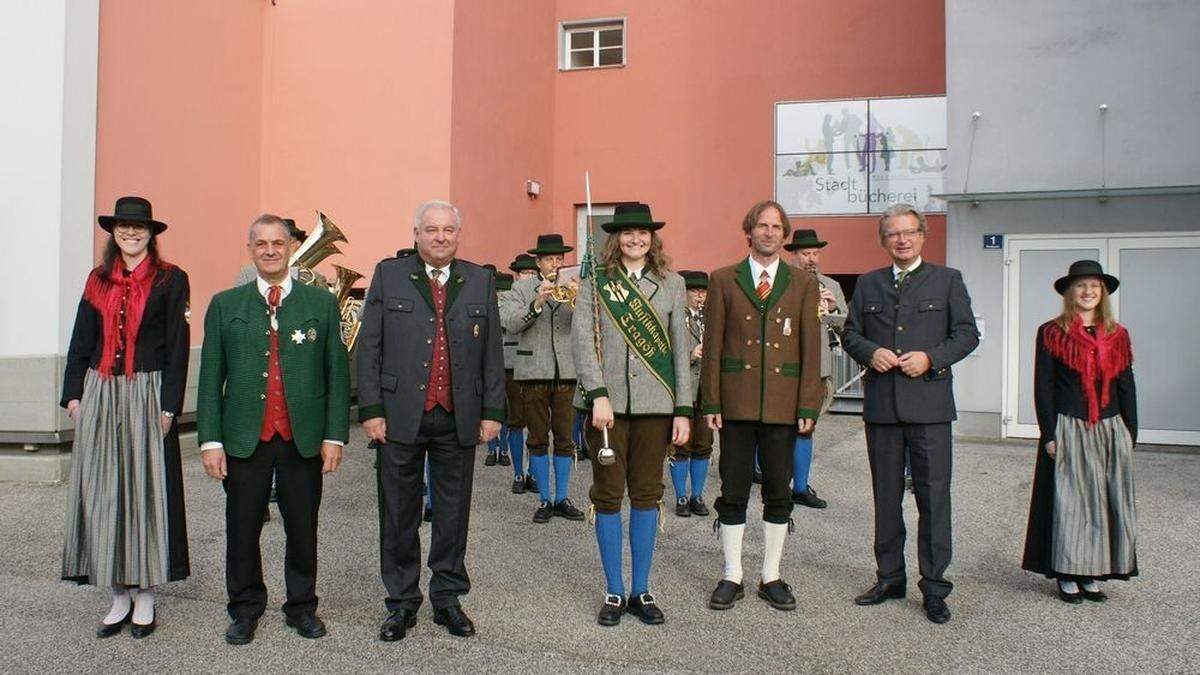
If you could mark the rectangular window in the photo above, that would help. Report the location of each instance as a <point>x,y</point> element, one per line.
<point>598,43</point>
<point>601,214</point>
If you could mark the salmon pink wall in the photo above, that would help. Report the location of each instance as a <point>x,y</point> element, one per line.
<point>178,121</point>
<point>687,124</point>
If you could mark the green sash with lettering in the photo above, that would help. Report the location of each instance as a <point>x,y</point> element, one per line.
<point>637,322</point>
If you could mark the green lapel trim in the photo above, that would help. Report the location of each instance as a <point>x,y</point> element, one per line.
<point>421,281</point>
<point>455,285</point>
<point>783,276</point>
<point>913,279</point>
<point>742,275</point>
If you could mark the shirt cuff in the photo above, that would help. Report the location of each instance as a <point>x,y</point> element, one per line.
<point>211,445</point>
<point>335,442</point>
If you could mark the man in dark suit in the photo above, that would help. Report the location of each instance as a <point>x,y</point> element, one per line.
<point>908,324</point>
<point>430,380</point>
<point>291,421</point>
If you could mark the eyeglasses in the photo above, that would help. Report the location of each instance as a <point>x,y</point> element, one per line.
<point>896,235</point>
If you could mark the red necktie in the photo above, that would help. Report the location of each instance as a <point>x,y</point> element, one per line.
<point>764,285</point>
<point>273,294</point>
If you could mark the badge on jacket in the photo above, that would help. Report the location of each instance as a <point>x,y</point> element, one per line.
<point>475,331</point>
<point>787,326</point>
<point>312,334</point>
<point>298,337</point>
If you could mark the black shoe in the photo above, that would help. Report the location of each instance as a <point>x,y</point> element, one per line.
<point>504,459</point>
<point>778,595</point>
<point>307,625</point>
<point>542,515</point>
<point>757,477</point>
<point>1092,596</point>
<point>565,509</point>
<point>681,508</point>
<point>490,460</point>
<point>530,484</point>
<point>936,609</point>
<point>455,620</point>
<point>241,631</point>
<point>1069,598</point>
<point>696,505</point>
<point>396,626</point>
<point>610,613</point>
<point>809,498</point>
<point>142,630</point>
<point>518,486</point>
<point>110,629</point>
<point>880,592</point>
<point>428,516</point>
<point>725,595</point>
<point>643,607</point>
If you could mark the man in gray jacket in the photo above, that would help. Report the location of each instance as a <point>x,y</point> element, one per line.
<point>546,373</point>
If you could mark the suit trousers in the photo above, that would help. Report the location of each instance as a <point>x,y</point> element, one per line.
<point>247,488</point>
<point>640,443</point>
<point>930,448</point>
<point>549,407</point>
<point>400,471</point>
<point>736,466</point>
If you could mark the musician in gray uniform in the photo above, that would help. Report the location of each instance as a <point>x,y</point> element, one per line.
<point>546,373</point>
<point>523,267</point>
<point>908,324</point>
<point>630,349</point>
<point>691,460</point>
<point>806,247</point>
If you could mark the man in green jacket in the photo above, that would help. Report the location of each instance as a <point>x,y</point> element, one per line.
<point>274,397</point>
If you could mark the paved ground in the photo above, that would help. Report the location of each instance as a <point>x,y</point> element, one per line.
<point>537,587</point>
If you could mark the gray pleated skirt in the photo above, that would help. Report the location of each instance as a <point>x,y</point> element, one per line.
<point>1094,524</point>
<point>117,528</point>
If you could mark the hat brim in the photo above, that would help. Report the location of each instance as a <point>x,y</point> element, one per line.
<point>696,285</point>
<point>108,223</point>
<point>806,244</point>
<point>613,228</point>
<point>550,250</point>
<point>1111,283</point>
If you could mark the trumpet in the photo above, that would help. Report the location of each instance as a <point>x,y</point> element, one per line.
<point>561,294</point>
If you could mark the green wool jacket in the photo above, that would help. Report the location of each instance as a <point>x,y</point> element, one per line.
<point>233,369</point>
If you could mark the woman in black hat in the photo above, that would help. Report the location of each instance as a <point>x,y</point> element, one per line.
<point>1082,527</point>
<point>124,383</point>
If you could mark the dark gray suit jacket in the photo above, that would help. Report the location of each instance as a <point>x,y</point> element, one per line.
<point>395,347</point>
<point>931,312</point>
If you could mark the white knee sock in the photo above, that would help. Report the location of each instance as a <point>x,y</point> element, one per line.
<point>120,605</point>
<point>1090,586</point>
<point>731,544</point>
<point>774,535</point>
<point>1069,587</point>
<point>143,607</point>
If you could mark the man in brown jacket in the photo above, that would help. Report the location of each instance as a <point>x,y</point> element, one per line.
<point>760,386</point>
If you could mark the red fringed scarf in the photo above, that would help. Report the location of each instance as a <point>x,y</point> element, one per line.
<point>105,295</point>
<point>1098,358</point>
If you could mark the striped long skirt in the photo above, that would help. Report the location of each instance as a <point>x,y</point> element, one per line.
<point>125,522</point>
<point>1082,517</point>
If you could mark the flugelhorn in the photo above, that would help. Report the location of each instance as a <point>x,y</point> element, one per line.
<point>561,294</point>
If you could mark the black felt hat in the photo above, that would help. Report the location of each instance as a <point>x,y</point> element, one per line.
<point>523,262</point>
<point>550,244</point>
<point>1086,268</point>
<point>132,210</point>
<point>694,279</point>
<point>504,281</point>
<point>804,239</point>
<point>632,215</point>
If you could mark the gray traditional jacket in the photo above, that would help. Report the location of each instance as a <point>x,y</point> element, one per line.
<point>695,336</point>
<point>625,379</point>
<point>833,321</point>
<point>510,341</point>
<point>543,350</point>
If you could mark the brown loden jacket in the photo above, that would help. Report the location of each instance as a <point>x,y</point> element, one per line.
<point>762,359</point>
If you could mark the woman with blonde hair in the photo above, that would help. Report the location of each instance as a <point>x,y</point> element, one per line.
<point>1082,526</point>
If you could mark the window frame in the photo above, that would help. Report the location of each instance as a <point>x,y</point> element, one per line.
<point>566,29</point>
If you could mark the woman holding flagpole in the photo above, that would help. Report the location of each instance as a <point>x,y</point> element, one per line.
<point>632,362</point>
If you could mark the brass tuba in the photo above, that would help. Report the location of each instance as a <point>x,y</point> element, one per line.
<point>317,246</point>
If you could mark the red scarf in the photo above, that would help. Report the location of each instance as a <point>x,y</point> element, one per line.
<point>105,294</point>
<point>1098,358</point>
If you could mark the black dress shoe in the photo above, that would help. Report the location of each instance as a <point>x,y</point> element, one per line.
<point>880,592</point>
<point>565,509</point>
<point>110,629</point>
<point>643,607</point>
<point>455,620</point>
<point>490,460</point>
<point>428,515</point>
<point>504,459</point>
<point>241,631</point>
<point>396,626</point>
<point>542,515</point>
<point>725,595</point>
<point>696,504</point>
<point>757,477</point>
<point>530,484</point>
<point>778,595</point>
<point>936,609</point>
<point>307,625</point>
<point>518,486</point>
<point>1093,596</point>
<point>809,498</point>
<point>612,609</point>
<point>142,630</point>
<point>681,508</point>
<point>1069,598</point>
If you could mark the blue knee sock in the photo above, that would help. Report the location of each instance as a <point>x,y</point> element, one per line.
<point>493,445</point>
<point>516,448</point>
<point>502,439</point>
<point>643,527</point>
<point>562,477</point>
<point>699,470</point>
<point>679,475</point>
<point>608,537</point>
<point>428,491</point>
<point>539,465</point>
<point>801,462</point>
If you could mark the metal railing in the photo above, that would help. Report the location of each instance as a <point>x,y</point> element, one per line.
<point>847,383</point>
